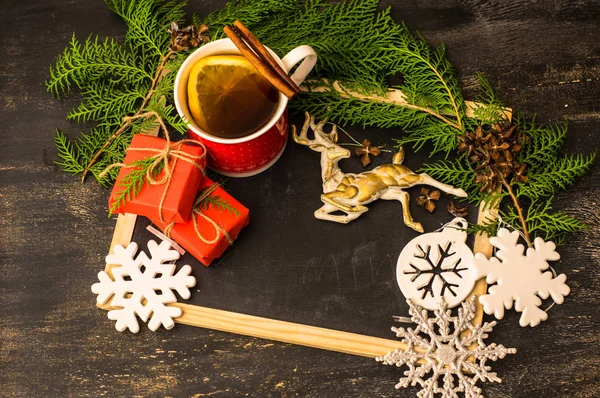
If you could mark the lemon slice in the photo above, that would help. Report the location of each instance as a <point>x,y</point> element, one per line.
<point>228,97</point>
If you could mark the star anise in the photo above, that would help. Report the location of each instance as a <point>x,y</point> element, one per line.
<point>365,150</point>
<point>188,37</point>
<point>457,211</point>
<point>426,199</point>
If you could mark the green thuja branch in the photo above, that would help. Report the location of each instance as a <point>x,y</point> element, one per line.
<point>556,176</point>
<point>351,38</point>
<point>358,47</point>
<point>527,169</point>
<point>217,178</point>
<point>134,181</point>
<point>333,101</point>
<point>214,200</point>
<point>218,203</point>
<point>440,137</point>
<point>554,225</point>
<point>142,171</point>
<point>118,83</point>
<point>545,173</point>
<point>67,153</point>
<point>489,227</point>
<point>251,12</point>
<point>487,108</point>
<point>430,80</point>
<point>94,61</point>
<point>457,173</point>
<point>544,143</point>
<point>147,23</point>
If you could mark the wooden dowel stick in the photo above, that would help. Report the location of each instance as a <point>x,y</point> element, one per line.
<point>392,95</point>
<point>264,69</point>
<point>122,235</point>
<point>258,48</point>
<point>287,332</point>
<point>482,245</point>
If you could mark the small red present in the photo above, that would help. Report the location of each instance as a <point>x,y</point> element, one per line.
<point>168,196</point>
<point>217,219</point>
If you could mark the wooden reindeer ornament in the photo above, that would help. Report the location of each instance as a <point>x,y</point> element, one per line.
<point>349,192</point>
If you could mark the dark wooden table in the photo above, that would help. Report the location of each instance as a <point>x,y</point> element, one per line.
<point>542,56</point>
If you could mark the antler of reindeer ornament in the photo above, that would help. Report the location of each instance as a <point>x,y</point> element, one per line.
<point>349,192</point>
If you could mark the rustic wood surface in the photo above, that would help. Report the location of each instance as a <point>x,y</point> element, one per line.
<point>542,56</point>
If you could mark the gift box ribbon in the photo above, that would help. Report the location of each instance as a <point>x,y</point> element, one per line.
<point>162,158</point>
<point>197,211</point>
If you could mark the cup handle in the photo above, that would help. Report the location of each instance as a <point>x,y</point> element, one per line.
<point>307,55</point>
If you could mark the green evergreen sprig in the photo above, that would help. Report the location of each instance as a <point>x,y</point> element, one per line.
<point>67,153</point>
<point>488,108</point>
<point>332,100</point>
<point>95,60</point>
<point>218,203</point>
<point>135,180</point>
<point>117,83</point>
<point>555,176</point>
<point>351,38</point>
<point>545,142</point>
<point>541,219</point>
<point>457,173</point>
<point>553,225</point>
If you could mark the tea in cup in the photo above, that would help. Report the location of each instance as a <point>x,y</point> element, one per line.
<point>220,86</point>
<point>233,110</point>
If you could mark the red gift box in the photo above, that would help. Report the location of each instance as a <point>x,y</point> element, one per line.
<point>187,165</point>
<point>211,229</point>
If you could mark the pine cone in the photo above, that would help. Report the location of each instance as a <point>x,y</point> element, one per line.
<point>493,154</point>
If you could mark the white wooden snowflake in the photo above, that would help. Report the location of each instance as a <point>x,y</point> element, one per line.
<point>142,286</point>
<point>442,358</point>
<point>519,277</point>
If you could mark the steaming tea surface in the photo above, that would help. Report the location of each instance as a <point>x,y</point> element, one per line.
<point>228,97</point>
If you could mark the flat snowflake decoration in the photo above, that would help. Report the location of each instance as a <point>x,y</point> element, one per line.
<point>142,286</point>
<point>519,277</point>
<point>436,266</point>
<point>446,353</point>
<point>435,269</point>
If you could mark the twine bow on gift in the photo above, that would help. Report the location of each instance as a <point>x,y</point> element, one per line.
<point>161,162</point>
<point>197,212</point>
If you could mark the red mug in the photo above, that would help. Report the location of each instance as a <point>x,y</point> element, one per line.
<point>254,153</point>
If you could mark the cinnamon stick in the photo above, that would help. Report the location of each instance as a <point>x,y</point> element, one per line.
<point>262,52</point>
<point>263,68</point>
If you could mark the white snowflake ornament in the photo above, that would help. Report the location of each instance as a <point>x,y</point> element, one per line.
<point>436,266</point>
<point>519,277</point>
<point>440,357</point>
<point>143,285</point>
